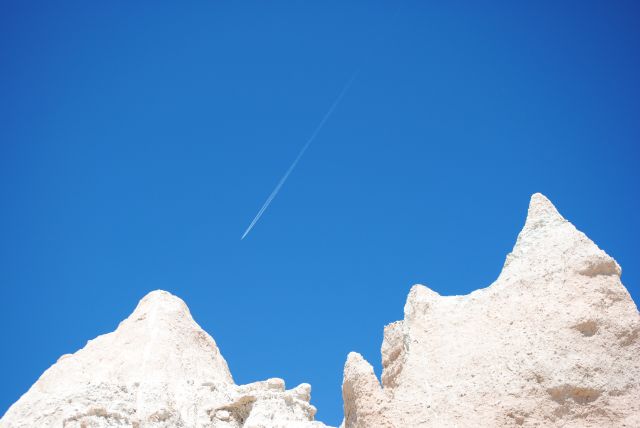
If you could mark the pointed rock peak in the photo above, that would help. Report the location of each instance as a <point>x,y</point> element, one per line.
<point>161,307</point>
<point>359,370</point>
<point>422,292</point>
<point>549,243</point>
<point>172,342</point>
<point>159,296</point>
<point>538,199</point>
<point>358,376</point>
<point>419,300</point>
<point>162,300</point>
<point>354,359</point>
<point>542,212</point>
<point>364,399</point>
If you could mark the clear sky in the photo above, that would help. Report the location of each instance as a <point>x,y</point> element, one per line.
<point>137,142</point>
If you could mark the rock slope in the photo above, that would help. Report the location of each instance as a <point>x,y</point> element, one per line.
<point>554,341</point>
<point>158,369</point>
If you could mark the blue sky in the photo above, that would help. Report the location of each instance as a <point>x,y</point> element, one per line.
<point>137,142</point>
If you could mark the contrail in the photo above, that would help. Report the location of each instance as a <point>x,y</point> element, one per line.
<point>304,149</point>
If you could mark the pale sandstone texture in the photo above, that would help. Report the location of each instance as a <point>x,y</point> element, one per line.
<point>159,369</point>
<point>554,341</point>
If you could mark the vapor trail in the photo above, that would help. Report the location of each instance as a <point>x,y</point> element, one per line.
<point>304,149</point>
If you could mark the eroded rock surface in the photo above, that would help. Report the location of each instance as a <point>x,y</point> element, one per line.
<point>554,341</point>
<point>158,369</point>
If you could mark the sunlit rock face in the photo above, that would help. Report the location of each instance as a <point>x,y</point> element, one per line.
<point>554,341</point>
<point>158,369</point>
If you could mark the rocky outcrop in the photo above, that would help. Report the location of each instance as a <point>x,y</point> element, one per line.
<point>158,369</point>
<point>554,341</point>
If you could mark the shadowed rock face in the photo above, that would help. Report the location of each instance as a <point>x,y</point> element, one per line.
<point>554,341</point>
<point>158,369</point>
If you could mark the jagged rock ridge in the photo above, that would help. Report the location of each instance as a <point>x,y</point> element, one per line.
<point>158,369</point>
<point>554,341</point>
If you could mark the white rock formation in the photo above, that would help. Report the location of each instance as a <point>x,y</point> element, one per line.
<point>158,369</point>
<point>554,341</point>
